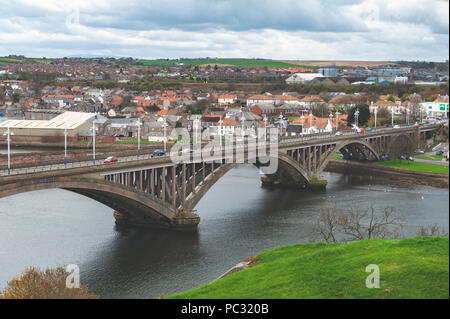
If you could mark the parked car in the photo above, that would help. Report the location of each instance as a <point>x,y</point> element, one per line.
<point>158,153</point>
<point>339,133</point>
<point>419,152</point>
<point>396,126</point>
<point>411,159</point>
<point>111,159</point>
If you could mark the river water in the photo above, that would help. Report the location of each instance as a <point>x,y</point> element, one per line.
<point>238,220</point>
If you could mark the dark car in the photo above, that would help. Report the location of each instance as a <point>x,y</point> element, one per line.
<point>158,153</point>
<point>111,159</point>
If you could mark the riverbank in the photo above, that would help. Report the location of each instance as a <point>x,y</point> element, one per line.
<point>388,175</point>
<point>409,268</point>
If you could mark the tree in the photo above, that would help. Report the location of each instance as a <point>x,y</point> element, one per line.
<point>363,117</point>
<point>319,109</point>
<point>356,223</point>
<point>15,98</point>
<point>198,107</point>
<point>47,284</point>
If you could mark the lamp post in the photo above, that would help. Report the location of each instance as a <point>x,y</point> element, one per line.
<point>8,133</point>
<point>407,117</point>
<point>220,127</point>
<point>302,123</point>
<point>196,123</point>
<point>138,124</point>
<point>356,117</point>
<point>310,123</point>
<point>281,124</point>
<point>65,144</point>
<point>331,123</point>
<point>164,126</point>
<point>337,120</point>
<point>243,126</point>
<point>265,127</point>
<point>375,113</point>
<point>93,129</point>
<point>392,120</point>
<point>421,118</point>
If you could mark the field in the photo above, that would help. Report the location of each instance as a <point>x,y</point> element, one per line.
<point>224,62</point>
<point>415,166</point>
<point>340,63</point>
<point>409,268</point>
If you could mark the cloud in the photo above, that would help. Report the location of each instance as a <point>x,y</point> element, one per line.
<point>282,29</point>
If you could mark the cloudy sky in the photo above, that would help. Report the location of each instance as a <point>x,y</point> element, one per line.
<point>277,29</point>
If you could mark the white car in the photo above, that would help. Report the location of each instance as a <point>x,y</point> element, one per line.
<point>396,126</point>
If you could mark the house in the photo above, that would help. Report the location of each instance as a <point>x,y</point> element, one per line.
<point>298,78</point>
<point>273,99</point>
<point>267,109</point>
<point>226,99</point>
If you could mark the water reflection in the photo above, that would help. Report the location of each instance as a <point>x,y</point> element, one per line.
<point>238,220</point>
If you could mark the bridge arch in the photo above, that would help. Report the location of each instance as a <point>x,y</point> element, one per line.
<point>138,207</point>
<point>340,146</point>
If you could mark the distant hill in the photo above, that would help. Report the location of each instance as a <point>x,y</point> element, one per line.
<point>224,62</point>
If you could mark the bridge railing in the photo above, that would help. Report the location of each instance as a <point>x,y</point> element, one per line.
<point>87,160</point>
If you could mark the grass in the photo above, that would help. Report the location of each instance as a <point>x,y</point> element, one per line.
<point>415,166</point>
<point>225,62</point>
<point>409,268</point>
<point>431,157</point>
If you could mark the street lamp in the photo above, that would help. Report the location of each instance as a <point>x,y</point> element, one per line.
<point>337,120</point>
<point>356,117</point>
<point>310,123</point>
<point>243,126</point>
<point>375,113</point>
<point>220,127</point>
<point>407,117</point>
<point>281,124</point>
<point>93,129</point>
<point>8,133</point>
<point>331,123</point>
<point>65,144</point>
<point>302,123</point>
<point>138,124</point>
<point>196,123</point>
<point>265,127</point>
<point>164,126</point>
<point>392,120</point>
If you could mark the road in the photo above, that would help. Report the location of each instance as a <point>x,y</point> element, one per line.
<point>76,164</point>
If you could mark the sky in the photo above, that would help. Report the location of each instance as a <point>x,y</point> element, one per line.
<point>378,30</point>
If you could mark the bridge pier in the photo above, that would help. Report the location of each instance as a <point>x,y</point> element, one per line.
<point>183,221</point>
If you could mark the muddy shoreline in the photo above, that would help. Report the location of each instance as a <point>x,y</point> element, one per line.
<point>387,175</point>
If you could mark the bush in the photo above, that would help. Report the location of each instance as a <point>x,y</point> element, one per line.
<point>49,284</point>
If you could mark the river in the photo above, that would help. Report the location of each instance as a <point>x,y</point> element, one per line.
<point>238,219</point>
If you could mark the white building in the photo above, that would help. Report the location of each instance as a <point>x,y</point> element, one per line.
<point>297,78</point>
<point>437,108</point>
<point>227,99</point>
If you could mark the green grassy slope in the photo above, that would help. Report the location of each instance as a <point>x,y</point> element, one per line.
<point>409,268</point>
<point>415,166</point>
